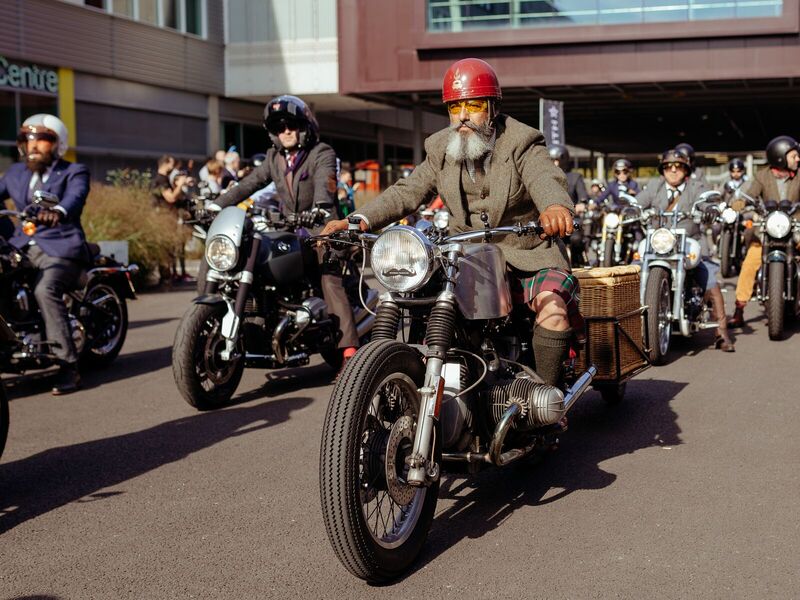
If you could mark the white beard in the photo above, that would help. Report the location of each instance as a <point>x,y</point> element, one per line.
<point>470,145</point>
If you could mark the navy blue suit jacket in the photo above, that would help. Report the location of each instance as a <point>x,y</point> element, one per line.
<point>68,181</point>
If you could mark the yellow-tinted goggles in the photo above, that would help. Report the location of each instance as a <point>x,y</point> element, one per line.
<point>472,106</point>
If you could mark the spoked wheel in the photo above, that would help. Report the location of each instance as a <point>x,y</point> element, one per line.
<point>204,379</point>
<point>726,263</point>
<point>107,324</point>
<point>375,521</point>
<point>3,419</point>
<point>659,322</point>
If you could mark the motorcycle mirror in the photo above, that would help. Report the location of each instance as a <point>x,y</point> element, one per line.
<point>730,187</point>
<point>709,196</point>
<point>45,199</point>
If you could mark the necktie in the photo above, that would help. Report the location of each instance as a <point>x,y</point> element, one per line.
<point>35,186</point>
<point>289,161</point>
<point>674,196</point>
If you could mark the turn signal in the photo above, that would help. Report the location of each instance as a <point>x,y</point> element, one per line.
<point>636,256</point>
<point>748,224</point>
<point>29,228</point>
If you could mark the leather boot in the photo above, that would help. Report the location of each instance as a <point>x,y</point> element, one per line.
<point>67,381</point>
<point>737,320</point>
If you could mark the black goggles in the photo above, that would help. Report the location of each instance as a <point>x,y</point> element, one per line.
<point>278,126</point>
<point>47,136</point>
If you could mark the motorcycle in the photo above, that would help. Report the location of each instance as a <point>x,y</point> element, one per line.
<point>261,307</point>
<point>457,395</point>
<point>97,308</point>
<point>778,279</point>
<point>668,288</point>
<point>590,234</point>
<point>621,231</point>
<point>735,219</point>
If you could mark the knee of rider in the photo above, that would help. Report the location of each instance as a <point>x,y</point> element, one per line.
<point>47,290</point>
<point>549,306</point>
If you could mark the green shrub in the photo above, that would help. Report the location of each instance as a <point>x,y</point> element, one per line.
<point>125,212</point>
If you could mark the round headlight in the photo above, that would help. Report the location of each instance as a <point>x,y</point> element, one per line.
<point>221,253</point>
<point>693,250</point>
<point>778,224</point>
<point>402,259</point>
<point>611,220</point>
<point>442,219</point>
<point>729,216</point>
<point>662,241</point>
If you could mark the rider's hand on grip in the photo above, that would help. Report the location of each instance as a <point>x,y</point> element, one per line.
<point>556,220</point>
<point>48,217</point>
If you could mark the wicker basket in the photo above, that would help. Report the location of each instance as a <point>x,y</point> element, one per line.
<point>611,292</point>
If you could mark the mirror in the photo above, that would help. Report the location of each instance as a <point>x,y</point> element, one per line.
<point>45,199</point>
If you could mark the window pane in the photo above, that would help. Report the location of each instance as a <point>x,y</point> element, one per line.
<point>8,117</point>
<point>8,156</point>
<point>148,11</point>
<point>31,105</point>
<point>254,140</point>
<point>194,17</point>
<point>231,135</point>
<point>96,3</point>
<point>170,16</point>
<point>122,7</point>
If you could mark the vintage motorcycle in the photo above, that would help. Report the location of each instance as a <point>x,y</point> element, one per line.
<point>778,280</point>
<point>669,258</point>
<point>97,309</point>
<point>261,305</point>
<point>621,231</point>
<point>457,395</point>
<point>734,220</point>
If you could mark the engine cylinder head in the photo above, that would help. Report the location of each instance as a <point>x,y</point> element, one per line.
<point>541,404</point>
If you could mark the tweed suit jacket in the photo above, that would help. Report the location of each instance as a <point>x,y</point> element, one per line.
<point>522,182</point>
<point>655,196</point>
<point>765,187</point>
<point>313,182</point>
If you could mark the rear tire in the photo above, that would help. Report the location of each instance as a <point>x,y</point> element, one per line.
<point>103,347</point>
<point>659,324</point>
<point>203,379</point>
<point>776,303</point>
<point>608,253</point>
<point>3,419</point>
<point>725,260</point>
<point>373,410</point>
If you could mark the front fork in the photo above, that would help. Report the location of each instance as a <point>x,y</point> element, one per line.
<point>423,470</point>
<point>233,317</point>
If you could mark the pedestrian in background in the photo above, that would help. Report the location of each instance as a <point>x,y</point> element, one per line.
<point>346,193</point>
<point>171,196</point>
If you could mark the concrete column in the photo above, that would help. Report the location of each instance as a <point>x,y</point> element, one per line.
<point>379,139</point>
<point>600,167</point>
<point>748,161</point>
<point>212,139</point>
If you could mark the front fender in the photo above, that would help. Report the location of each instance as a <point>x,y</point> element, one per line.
<point>210,300</point>
<point>776,256</point>
<point>114,277</point>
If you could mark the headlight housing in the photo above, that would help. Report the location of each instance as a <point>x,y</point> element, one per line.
<point>442,219</point>
<point>662,241</point>
<point>778,224</point>
<point>611,221</point>
<point>729,216</point>
<point>402,259</point>
<point>221,253</point>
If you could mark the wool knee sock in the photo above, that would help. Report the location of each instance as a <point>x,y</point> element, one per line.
<point>550,349</point>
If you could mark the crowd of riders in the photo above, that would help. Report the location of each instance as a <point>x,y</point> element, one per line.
<point>304,176</point>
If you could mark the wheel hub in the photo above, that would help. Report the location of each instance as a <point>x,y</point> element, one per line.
<point>398,447</point>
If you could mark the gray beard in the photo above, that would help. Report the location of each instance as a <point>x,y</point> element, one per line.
<point>472,146</point>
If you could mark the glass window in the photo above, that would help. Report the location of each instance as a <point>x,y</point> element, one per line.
<point>122,7</point>
<point>194,16</point>
<point>148,11</point>
<point>8,116</point>
<point>254,140</point>
<point>30,104</point>
<point>231,135</point>
<point>101,4</point>
<point>169,10</point>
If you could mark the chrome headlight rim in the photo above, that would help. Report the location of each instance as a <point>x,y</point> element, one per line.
<point>229,245</point>
<point>423,245</point>
<point>611,220</point>
<point>778,224</point>
<point>663,241</point>
<point>729,215</point>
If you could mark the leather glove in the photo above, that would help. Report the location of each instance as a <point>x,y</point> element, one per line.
<point>307,218</point>
<point>49,217</point>
<point>556,221</point>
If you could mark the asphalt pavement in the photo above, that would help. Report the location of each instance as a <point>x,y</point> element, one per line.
<point>687,489</point>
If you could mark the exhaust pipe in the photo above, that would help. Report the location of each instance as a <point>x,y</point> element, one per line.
<point>277,340</point>
<point>365,325</point>
<point>579,388</point>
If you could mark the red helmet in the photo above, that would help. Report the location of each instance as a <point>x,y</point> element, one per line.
<point>470,78</point>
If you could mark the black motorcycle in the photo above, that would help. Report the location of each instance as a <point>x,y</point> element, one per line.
<point>262,306</point>
<point>97,309</point>
<point>622,231</point>
<point>734,220</point>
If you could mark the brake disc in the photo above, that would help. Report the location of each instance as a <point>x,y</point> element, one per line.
<point>401,439</point>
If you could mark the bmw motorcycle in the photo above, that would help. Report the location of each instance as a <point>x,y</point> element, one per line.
<point>97,308</point>
<point>668,287</point>
<point>261,307</point>
<point>456,395</point>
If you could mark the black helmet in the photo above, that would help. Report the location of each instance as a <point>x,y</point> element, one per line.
<point>290,111</point>
<point>777,150</point>
<point>622,163</point>
<point>561,154</point>
<point>688,150</point>
<point>736,163</point>
<point>674,156</point>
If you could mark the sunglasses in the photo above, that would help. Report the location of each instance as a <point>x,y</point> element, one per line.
<point>47,136</point>
<point>281,125</point>
<point>673,165</point>
<point>472,106</point>
<point>620,172</point>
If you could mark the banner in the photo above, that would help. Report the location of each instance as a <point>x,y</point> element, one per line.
<point>551,121</point>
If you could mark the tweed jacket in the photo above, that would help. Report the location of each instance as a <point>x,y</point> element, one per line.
<point>765,187</point>
<point>656,196</point>
<point>522,183</point>
<point>313,183</point>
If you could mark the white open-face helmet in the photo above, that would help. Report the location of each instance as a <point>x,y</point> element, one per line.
<point>44,127</point>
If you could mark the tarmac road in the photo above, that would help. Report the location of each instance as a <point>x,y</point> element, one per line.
<point>688,489</point>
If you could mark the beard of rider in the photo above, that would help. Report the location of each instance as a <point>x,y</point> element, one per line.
<point>469,145</point>
<point>39,165</point>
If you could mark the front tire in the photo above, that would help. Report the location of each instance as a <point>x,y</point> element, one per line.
<point>3,419</point>
<point>608,252</point>
<point>725,260</point>
<point>659,323</point>
<point>775,303</point>
<point>376,523</point>
<point>204,380</point>
<point>108,329</point>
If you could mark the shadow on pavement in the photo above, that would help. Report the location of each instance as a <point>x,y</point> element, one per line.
<point>151,322</point>
<point>43,482</point>
<point>597,433</point>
